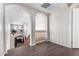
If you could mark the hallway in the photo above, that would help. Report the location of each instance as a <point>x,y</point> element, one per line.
<point>25,24</point>
<point>43,49</point>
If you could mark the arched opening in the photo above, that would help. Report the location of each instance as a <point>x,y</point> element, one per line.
<point>17,26</point>
<point>40,27</point>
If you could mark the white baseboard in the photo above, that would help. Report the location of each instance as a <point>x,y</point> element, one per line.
<point>32,44</point>
<point>40,41</point>
<point>60,44</point>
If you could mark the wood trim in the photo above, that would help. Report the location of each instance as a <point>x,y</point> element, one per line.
<point>40,30</point>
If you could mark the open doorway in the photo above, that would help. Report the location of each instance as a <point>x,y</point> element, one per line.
<point>40,27</point>
<point>17,34</point>
<point>17,26</point>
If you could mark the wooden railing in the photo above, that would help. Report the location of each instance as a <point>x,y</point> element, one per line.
<point>27,41</point>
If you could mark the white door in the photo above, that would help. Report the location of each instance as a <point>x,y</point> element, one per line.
<point>75,28</point>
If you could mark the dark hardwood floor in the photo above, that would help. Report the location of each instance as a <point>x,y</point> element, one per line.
<point>43,49</point>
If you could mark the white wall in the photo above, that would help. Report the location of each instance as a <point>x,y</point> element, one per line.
<point>1,30</point>
<point>59,27</point>
<point>75,28</point>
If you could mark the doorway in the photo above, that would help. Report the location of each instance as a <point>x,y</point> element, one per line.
<point>17,34</point>
<point>17,26</point>
<point>40,27</point>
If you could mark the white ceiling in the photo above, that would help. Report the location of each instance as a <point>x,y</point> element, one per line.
<point>48,10</point>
